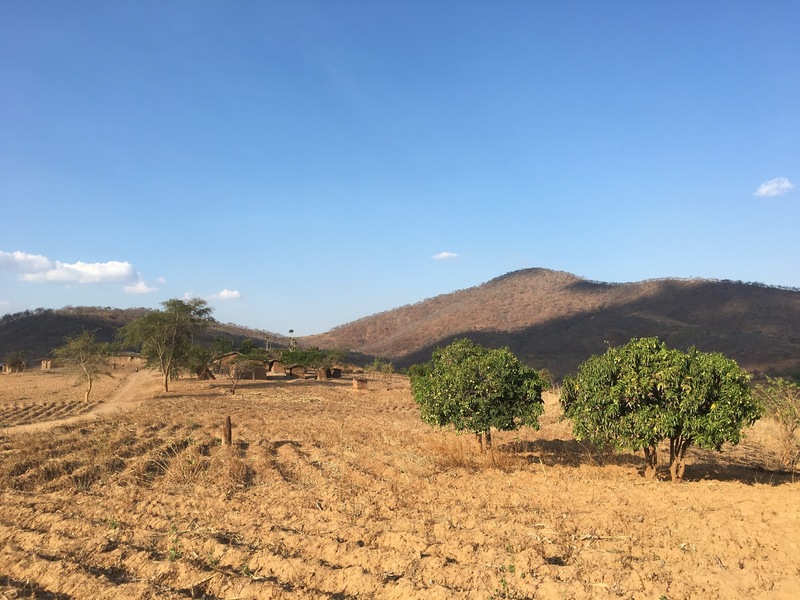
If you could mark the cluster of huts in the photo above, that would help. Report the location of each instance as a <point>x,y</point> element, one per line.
<point>269,368</point>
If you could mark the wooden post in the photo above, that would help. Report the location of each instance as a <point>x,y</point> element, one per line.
<point>227,431</point>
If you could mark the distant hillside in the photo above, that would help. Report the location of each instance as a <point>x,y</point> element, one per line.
<point>37,332</point>
<point>556,320</point>
<point>550,319</point>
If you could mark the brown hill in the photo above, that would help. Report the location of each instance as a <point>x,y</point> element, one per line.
<point>37,332</point>
<point>550,319</point>
<point>556,320</point>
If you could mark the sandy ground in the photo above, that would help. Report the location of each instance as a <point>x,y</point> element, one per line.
<point>332,492</point>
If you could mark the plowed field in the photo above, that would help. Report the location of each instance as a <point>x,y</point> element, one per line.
<point>332,492</point>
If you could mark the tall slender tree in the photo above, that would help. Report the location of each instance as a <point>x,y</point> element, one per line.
<point>166,337</point>
<point>87,356</point>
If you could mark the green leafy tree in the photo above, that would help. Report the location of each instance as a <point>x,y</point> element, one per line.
<point>198,359</point>
<point>617,398</point>
<point>781,400</point>
<point>84,354</point>
<point>166,337</point>
<point>222,345</point>
<point>380,366</point>
<point>247,346</point>
<point>260,354</point>
<point>642,393</point>
<point>476,389</point>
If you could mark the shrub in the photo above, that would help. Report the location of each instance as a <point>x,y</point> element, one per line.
<point>639,394</point>
<point>781,400</point>
<point>475,389</point>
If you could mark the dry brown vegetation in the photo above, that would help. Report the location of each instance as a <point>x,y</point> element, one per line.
<point>332,492</point>
<point>556,320</point>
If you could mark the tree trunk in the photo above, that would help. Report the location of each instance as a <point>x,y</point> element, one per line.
<point>485,440</point>
<point>650,462</point>
<point>88,389</point>
<point>677,457</point>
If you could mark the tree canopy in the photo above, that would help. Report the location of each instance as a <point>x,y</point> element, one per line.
<point>473,388</point>
<point>639,394</point>
<point>166,337</point>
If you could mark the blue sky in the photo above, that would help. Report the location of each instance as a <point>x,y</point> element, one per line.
<point>302,164</point>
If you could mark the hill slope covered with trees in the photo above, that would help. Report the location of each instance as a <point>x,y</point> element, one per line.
<point>556,320</point>
<point>37,332</point>
<point>550,319</point>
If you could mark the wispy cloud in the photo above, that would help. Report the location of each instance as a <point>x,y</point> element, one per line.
<point>140,287</point>
<point>225,294</point>
<point>774,187</point>
<point>444,256</point>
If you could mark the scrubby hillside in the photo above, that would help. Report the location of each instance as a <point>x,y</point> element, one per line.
<point>550,319</point>
<point>556,320</point>
<point>37,332</point>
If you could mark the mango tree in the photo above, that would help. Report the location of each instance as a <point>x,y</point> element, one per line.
<point>642,393</point>
<point>476,389</point>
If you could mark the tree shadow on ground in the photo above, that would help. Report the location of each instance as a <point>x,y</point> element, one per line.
<point>703,465</point>
<point>745,466</point>
<point>748,474</point>
<point>570,453</point>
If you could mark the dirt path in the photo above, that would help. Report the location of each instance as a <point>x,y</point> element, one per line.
<point>135,389</point>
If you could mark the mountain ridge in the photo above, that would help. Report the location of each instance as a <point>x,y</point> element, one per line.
<point>550,319</point>
<point>555,320</point>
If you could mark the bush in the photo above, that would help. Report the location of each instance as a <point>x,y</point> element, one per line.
<point>642,393</point>
<point>781,400</point>
<point>475,389</point>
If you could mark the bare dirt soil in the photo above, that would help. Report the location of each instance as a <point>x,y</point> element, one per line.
<point>332,492</point>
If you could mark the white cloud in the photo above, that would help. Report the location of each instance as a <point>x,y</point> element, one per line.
<point>774,187</point>
<point>37,268</point>
<point>226,294</point>
<point>140,287</point>
<point>21,262</point>
<point>444,256</point>
<point>81,272</point>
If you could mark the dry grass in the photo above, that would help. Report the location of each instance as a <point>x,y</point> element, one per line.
<point>330,492</point>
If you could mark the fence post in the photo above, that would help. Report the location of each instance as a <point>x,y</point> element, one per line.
<point>227,431</point>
